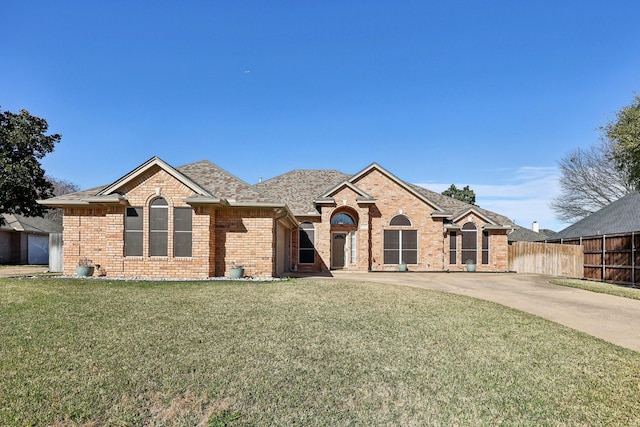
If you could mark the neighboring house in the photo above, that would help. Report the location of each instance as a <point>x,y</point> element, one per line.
<point>25,240</point>
<point>523,234</point>
<point>198,220</point>
<point>621,216</point>
<point>610,239</point>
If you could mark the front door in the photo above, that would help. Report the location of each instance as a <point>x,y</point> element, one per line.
<point>338,243</point>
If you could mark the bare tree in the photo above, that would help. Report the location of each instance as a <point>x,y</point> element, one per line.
<point>589,181</point>
<point>60,187</point>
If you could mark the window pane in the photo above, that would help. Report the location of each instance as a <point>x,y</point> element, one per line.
<point>306,249</point>
<point>453,257</point>
<point>410,256</point>
<point>391,256</point>
<point>159,218</point>
<point>391,246</point>
<point>453,245</point>
<point>182,244</point>
<point>133,219</point>
<point>469,243</point>
<point>306,239</point>
<point>409,239</point>
<point>133,243</point>
<point>307,256</point>
<point>485,247</point>
<point>182,219</point>
<point>400,220</point>
<point>158,241</point>
<point>342,219</point>
<point>391,239</point>
<point>133,232</point>
<point>469,256</point>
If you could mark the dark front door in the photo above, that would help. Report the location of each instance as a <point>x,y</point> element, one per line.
<point>337,250</point>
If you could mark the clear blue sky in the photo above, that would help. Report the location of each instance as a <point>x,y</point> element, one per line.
<point>482,93</point>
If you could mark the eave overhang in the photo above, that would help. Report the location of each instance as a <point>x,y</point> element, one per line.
<point>112,199</point>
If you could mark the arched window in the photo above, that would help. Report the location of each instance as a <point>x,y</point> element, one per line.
<point>469,243</point>
<point>342,219</point>
<point>401,220</point>
<point>306,247</point>
<point>158,227</point>
<point>400,245</point>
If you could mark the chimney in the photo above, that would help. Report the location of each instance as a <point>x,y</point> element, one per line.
<point>534,227</point>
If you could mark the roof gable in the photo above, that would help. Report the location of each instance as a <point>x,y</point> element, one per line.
<point>146,166</point>
<point>346,184</point>
<point>374,166</point>
<point>472,210</point>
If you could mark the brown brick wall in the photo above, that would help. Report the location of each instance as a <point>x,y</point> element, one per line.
<point>393,199</point>
<point>498,248</point>
<point>245,237</point>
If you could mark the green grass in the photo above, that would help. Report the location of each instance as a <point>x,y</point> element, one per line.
<point>93,352</point>
<point>600,287</point>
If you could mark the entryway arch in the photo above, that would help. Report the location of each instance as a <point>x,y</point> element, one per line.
<point>344,226</point>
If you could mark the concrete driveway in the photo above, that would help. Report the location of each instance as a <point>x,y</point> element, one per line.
<point>611,318</point>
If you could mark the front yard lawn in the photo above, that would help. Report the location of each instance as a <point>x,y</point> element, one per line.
<point>299,352</point>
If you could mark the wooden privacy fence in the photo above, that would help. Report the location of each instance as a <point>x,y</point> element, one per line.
<point>546,258</point>
<point>611,258</point>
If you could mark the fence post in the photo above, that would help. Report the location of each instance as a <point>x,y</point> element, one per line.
<point>55,252</point>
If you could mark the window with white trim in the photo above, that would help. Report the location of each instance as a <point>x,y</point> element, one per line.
<point>306,244</point>
<point>453,247</point>
<point>485,247</point>
<point>469,243</point>
<point>133,231</point>
<point>158,227</point>
<point>182,232</point>
<point>400,245</point>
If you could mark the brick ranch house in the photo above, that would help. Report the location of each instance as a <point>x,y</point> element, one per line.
<point>198,220</point>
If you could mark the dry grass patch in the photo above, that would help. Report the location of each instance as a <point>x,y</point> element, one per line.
<point>600,287</point>
<point>300,352</point>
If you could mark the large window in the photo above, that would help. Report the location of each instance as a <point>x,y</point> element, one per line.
<point>453,247</point>
<point>182,234</point>
<point>307,250</point>
<point>158,227</point>
<point>133,232</point>
<point>469,243</point>
<point>400,246</point>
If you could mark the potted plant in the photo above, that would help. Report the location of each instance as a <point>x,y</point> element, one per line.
<point>85,267</point>
<point>236,271</point>
<point>471,265</point>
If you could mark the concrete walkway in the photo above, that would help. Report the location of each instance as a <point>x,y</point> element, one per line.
<point>611,318</point>
<point>22,270</point>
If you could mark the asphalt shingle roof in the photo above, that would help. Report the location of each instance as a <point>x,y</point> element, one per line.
<point>214,179</point>
<point>621,216</point>
<point>522,234</point>
<point>298,189</point>
<point>456,207</point>
<point>17,222</point>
